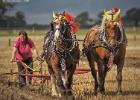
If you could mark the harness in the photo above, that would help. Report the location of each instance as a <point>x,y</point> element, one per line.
<point>63,53</point>
<point>100,40</point>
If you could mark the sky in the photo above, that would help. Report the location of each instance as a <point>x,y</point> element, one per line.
<point>40,11</point>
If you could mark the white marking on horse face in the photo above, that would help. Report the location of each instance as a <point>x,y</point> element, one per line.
<point>57,32</point>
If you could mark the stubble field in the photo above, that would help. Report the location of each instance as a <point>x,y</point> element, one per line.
<point>83,84</point>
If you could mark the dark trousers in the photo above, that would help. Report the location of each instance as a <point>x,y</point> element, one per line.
<point>22,79</point>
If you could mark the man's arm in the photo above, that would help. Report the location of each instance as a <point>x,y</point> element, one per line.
<point>35,51</point>
<point>13,54</point>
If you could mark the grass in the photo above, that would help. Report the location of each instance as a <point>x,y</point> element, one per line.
<point>83,84</point>
<point>81,32</point>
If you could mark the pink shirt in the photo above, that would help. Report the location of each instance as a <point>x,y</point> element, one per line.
<point>23,49</point>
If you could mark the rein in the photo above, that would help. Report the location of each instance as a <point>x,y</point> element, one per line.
<point>102,41</point>
<point>62,51</point>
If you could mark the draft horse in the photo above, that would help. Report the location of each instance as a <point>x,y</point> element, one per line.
<point>61,52</point>
<point>105,48</point>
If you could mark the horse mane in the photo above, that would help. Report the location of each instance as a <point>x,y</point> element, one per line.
<point>91,35</point>
<point>121,36</point>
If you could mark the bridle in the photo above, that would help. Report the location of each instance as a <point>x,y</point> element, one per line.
<point>66,38</point>
<point>104,38</point>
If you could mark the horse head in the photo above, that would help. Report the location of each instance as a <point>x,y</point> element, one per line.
<point>62,32</point>
<point>113,33</point>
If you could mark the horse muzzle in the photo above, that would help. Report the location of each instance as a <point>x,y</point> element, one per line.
<point>84,51</point>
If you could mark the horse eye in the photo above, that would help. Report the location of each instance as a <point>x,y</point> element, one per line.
<point>63,17</point>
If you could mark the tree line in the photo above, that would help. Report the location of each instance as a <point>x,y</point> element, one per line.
<point>131,17</point>
<point>18,20</point>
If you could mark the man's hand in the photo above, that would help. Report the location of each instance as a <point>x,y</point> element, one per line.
<point>13,54</point>
<point>39,59</point>
<point>12,59</point>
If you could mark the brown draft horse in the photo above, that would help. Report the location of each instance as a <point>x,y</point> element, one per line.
<point>61,52</point>
<point>105,49</point>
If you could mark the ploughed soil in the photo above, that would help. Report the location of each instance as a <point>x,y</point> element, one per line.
<point>9,90</point>
<point>132,62</point>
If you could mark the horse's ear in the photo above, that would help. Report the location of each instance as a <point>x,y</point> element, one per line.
<point>104,10</point>
<point>54,15</point>
<point>52,27</point>
<point>105,13</point>
<point>63,13</point>
<point>118,13</point>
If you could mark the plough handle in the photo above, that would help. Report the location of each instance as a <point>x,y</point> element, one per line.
<point>24,65</point>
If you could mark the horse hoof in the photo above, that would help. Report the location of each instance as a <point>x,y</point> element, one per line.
<point>101,94</point>
<point>68,93</point>
<point>55,95</point>
<point>119,93</point>
<point>70,97</point>
<point>95,93</point>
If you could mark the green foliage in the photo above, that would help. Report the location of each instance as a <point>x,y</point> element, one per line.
<point>84,19</point>
<point>10,21</point>
<point>20,19</point>
<point>4,7</point>
<point>133,16</point>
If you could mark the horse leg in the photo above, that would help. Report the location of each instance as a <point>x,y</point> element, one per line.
<point>64,77</point>
<point>101,74</point>
<point>57,73</point>
<point>53,82</point>
<point>119,75</point>
<point>59,82</point>
<point>54,89</point>
<point>70,73</point>
<point>105,73</point>
<point>93,71</point>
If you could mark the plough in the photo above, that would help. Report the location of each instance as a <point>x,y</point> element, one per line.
<point>39,78</point>
<point>78,71</point>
